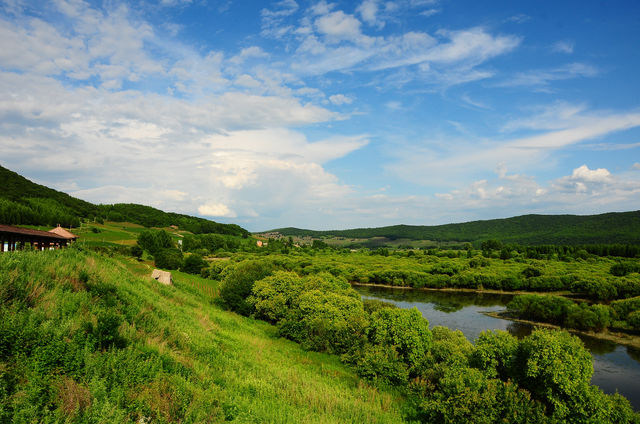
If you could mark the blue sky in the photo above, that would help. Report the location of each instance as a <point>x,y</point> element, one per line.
<point>327,115</point>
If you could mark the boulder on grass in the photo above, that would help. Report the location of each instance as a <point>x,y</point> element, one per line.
<point>162,276</point>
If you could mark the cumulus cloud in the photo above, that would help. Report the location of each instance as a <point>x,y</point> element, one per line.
<point>216,210</point>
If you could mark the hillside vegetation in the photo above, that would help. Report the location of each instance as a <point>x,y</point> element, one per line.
<point>616,227</point>
<point>23,202</point>
<point>85,338</point>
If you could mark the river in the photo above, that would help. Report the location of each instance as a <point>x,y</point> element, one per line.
<point>616,367</point>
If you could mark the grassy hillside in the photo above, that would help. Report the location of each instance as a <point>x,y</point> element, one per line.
<point>85,338</point>
<point>623,227</point>
<point>23,202</point>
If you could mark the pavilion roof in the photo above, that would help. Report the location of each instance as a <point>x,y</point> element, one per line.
<point>63,233</point>
<point>29,232</point>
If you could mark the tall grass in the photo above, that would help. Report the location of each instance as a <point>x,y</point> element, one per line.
<point>87,338</point>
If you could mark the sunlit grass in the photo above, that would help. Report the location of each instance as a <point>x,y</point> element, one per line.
<point>183,358</point>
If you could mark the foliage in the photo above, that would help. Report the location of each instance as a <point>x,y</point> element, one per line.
<point>404,329</point>
<point>556,368</point>
<point>193,264</point>
<point>154,240</point>
<point>85,339</point>
<point>136,251</point>
<point>274,296</point>
<point>561,311</point>
<point>238,281</point>
<point>494,352</point>
<point>326,321</point>
<point>170,258</point>
<point>621,228</point>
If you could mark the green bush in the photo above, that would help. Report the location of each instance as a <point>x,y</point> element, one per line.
<point>193,264</point>
<point>556,368</point>
<point>406,330</point>
<point>326,321</point>
<point>170,258</point>
<point>382,365</point>
<point>238,281</point>
<point>633,319</point>
<point>494,353</point>
<point>274,296</point>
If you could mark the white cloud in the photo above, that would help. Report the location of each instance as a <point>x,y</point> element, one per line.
<point>216,210</point>
<point>472,157</point>
<point>339,26</point>
<point>636,166</point>
<point>562,47</point>
<point>542,78</point>
<point>430,12</point>
<point>368,10</point>
<point>340,99</point>
<point>248,53</point>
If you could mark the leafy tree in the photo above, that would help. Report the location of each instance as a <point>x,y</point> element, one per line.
<point>273,296</point>
<point>154,240</point>
<point>193,264</point>
<point>556,368</point>
<point>238,281</point>
<point>136,251</point>
<point>169,258</point>
<point>326,321</point>
<point>406,330</point>
<point>494,353</point>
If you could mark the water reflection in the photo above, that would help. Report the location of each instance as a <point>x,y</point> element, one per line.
<point>616,367</point>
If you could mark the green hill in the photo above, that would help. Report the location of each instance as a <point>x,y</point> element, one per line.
<point>615,227</point>
<point>23,202</point>
<point>90,339</point>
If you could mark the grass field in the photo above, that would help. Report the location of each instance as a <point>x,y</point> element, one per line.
<point>172,355</point>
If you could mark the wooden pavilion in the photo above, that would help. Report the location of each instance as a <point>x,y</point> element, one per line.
<point>16,238</point>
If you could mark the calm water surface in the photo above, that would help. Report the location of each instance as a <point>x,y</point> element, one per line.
<point>616,367</point>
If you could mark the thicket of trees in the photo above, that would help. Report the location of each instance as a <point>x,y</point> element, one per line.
<point>543,378</point>
<point>526,230</point>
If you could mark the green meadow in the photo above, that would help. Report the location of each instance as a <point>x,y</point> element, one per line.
<point>88,338</point>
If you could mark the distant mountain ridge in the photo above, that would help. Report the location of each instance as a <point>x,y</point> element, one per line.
<point>23,202</point>
<point>613,227</point>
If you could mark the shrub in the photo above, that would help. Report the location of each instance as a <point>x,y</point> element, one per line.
<point>238,281</point>
<point>625,307</point>
<point>273,296</point>
<point>170,258</point>
<point>381,364</point>
<point>529,272</point>
<point>326,321</point>
<point>494,352</point>
<point>634,320</point>
<point>556,368</point>
<point>136,251</point>
<point>374,305</point>
<point>193,264</point>
<point>406,330</point>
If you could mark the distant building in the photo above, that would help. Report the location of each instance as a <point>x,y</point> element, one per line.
<point>64,233</point>
<point>15,238</point>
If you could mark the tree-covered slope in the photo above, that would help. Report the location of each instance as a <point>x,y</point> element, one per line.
<point>27,203</point>
<point>615,227</point>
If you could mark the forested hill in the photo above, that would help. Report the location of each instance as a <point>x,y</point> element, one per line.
<point>615,227</point>
<point>23,202</point>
